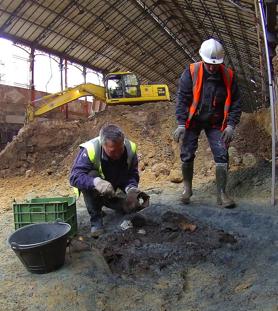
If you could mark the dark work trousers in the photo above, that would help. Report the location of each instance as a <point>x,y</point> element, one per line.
<point>217,146</point>
<point>94,203</point>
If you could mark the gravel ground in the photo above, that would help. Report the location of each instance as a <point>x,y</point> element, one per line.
<point>231,263</point>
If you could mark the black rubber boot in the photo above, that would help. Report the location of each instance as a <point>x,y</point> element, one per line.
<point>187,173</point>
<point>223,199</point>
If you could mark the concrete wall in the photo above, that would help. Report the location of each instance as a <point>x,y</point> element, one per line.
<point>13,101</point>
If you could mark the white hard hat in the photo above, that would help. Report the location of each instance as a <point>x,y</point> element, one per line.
<point>212,52</point>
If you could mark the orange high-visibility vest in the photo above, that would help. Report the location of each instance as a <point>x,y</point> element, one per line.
<point>197,73</point>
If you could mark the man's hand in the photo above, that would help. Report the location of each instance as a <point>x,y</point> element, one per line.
<point>227,134</point>
<point>134,198</point>
<point>104,187</point>
<point>179,133</point>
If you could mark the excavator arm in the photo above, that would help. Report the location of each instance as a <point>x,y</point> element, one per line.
<point>121,88</point>
<point>50,102</point>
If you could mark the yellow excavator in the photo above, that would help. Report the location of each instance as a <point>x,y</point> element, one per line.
<point>120,88</point>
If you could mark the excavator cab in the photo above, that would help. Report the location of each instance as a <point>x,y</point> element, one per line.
<point>125,88</point>
<point>122,85</point>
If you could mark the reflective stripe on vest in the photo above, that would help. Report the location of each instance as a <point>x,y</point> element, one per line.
<point>197,73</point>
<point>93,148</point>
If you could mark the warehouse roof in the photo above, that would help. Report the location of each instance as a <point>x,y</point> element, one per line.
<point>154,38</point>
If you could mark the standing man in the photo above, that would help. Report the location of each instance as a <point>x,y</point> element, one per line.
<point>207,99</point>
<point>102,165</point>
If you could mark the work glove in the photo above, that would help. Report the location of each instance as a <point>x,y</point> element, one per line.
<point>179,133</point>
<point>227,134</point>
<point>136,200</point>
<point>104,187</point>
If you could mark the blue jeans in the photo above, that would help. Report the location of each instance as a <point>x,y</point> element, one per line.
<point>217,146</point>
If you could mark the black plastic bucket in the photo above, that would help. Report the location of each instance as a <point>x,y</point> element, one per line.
<point>41,247</point>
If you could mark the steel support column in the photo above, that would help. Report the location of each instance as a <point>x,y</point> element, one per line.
<point>271,96</point>
<point>86,105</point>
<point>66,86</point>
<point>32,76</point>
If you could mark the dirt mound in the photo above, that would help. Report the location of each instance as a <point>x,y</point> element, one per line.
<point>252,135</point>
<point>52,145</point>
<point>49,148</point>
<point>37,146</point>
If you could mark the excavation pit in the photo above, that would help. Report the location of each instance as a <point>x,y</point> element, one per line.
<point>155,246</point>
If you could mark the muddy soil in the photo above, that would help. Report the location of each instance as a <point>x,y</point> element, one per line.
<point>151,246</point>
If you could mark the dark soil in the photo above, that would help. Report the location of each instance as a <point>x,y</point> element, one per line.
<point>164,244</point>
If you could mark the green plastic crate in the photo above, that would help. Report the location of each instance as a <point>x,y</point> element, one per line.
<point>46,210</point>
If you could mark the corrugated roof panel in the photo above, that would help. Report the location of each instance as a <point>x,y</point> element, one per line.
<point>36,13</point>
<point>70,30</point>
<point>53,40</point>
<point>3,17</point>
<point>10,6</point>
<point>19,28</point>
